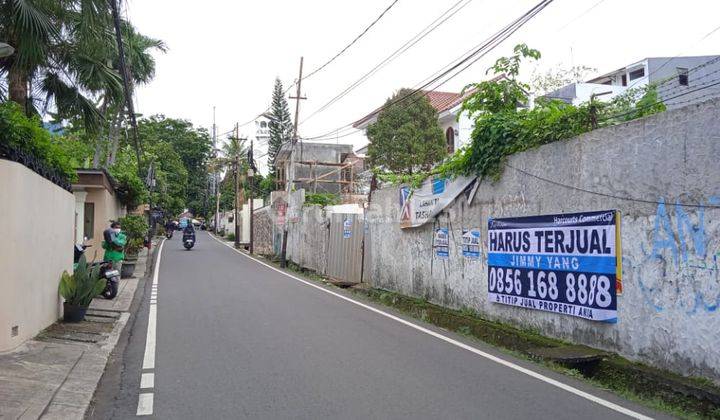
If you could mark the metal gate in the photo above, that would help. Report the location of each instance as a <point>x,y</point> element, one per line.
<point>344,256</point>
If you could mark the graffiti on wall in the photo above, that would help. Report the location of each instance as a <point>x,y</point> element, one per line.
<point>679,264</point>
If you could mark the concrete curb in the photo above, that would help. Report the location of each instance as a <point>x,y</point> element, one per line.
<point>73,398</point>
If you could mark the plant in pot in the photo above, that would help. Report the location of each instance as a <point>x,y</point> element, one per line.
<point>135,227</point>
<point>79,288</point>
<point>132,249</point>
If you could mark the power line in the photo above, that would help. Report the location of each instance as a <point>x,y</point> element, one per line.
<point>399,51</point>
<point>687,92</point>
<point>601,194</point>
<point>353,41</point>
<point>674,57</point>
<point>479,51</point>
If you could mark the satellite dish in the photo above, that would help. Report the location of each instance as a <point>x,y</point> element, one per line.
<point>6,50</point>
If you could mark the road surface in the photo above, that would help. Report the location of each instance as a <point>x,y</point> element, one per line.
<point>234,338</point>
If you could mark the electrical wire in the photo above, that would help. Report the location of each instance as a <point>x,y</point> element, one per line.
<point>475,54</point>
<point>447,14</point>
<point>707,85</point>
<point>387,9</point>
<point>601,194</point>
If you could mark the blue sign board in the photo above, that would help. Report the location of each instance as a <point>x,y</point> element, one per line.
<point>347,228</point>
<point>471,243</point>
<point>565,263</point>
<point>441,242</point>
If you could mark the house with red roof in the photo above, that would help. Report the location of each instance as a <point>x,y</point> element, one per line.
<point>447,104</point>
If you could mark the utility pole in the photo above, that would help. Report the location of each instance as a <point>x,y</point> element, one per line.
<point>216,190</point>
<point>251,173</point>
<point>291,168</point>
<point>237,187</point>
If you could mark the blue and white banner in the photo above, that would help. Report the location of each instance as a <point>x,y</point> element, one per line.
<point>471,243</point>
<point>441,242</point>
<point>421,205</point>
<point>564,263</point>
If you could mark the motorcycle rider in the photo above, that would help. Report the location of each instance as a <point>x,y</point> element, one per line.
<point>114,244</point>
<point>189,232</point>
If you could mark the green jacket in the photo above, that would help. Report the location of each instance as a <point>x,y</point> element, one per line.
<point>115,251</point>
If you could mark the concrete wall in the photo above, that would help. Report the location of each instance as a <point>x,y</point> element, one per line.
<point>107,209</point>
<point>668,313</point>
<point>36,247</point>
<point>263,227</point>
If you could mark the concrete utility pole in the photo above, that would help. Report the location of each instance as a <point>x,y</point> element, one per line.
<point>216,190</point>
<point>238,201</point>
<point>251,174</point>
<point>291,168</point>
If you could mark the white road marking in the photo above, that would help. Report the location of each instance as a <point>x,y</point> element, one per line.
<point>531,373</point>
<point>145,404</point>
<point>147,380</point>
<point>149,359</point>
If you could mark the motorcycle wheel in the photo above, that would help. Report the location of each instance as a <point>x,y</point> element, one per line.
<point>111,290</point>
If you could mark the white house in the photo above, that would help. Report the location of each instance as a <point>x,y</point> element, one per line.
<point>680,81</point>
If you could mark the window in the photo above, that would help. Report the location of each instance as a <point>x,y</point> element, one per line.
<point>263,124</point>
<point>636,74</point>
<point>624,79</point>
<point>89,222</point>
<point>450,139</point>
<point>683,79</point>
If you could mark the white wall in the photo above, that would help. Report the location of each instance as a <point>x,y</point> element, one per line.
<point>36,247</point>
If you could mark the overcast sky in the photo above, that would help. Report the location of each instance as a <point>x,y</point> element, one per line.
<point>227,53</point>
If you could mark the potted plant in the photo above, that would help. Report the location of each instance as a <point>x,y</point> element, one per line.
<point>79,289</point>
<point>135,227</point>
<point>132,249</point>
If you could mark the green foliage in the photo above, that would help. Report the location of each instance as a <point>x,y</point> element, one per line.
<point>131,189</point>
<point>135,226</point>
<point>406,137</point>
<point>230,237</point>
<point>502,128</point>
<point>83,285</point>
<point>134,246</point>
<point>66,57</point>
<point>28,136</point>
<point>321,199</point>
<point>280,126</point>
<point>632,104</point>
<point>556,78</point>
<point>505,92</point>
<point>264,185</point>
<point>181,154</point>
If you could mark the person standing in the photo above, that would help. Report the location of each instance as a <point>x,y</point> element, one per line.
<point>114,241</point>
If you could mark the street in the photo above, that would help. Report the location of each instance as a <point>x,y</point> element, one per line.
<point>237,339</point>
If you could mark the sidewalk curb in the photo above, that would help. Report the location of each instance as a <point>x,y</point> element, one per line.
<point>75,395</point>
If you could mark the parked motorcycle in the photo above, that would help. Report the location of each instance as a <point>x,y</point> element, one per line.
<point>169,233</point>
<point>110,274</point>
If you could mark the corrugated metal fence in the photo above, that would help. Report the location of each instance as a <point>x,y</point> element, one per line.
<point>344,253</point>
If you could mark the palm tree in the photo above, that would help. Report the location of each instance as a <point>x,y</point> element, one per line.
<point>66,57</point>
<point>233,160</point>
<point>141,67</point>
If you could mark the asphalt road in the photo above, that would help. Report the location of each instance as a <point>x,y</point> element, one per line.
<point>237,339</point>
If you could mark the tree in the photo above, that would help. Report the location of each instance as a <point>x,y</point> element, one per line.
<point>406,137</point>
<point>61,56</point>
<point>280,124</point>
<point>234,152</point>
<point>554,79</point>
<point>178,148</point>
